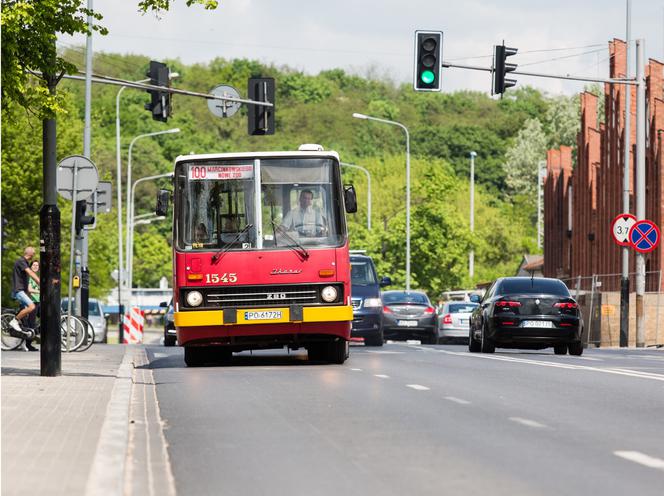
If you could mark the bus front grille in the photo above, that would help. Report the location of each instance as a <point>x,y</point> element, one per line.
<point>268,296</point>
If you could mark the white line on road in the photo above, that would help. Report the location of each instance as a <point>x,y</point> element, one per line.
<point>417,387</point>
<point>356,370</point>
<point>527,422</point>
<point>643,459</point>
<point>160,355</point>
<point>457,400</point>
<point>382,376</point>
<point>386,352</point>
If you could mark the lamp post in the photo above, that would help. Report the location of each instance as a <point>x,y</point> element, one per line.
<point>394,123</point>
<point>471,255</point>
<point>139,219</point>
<point>541,174</point>
<point>130,213</point>
<point>368,190</point>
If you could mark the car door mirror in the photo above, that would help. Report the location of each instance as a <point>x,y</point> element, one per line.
<point>350,199</point>
<point>163,198</point>
<point>385,281</point>
<point>475,298</point>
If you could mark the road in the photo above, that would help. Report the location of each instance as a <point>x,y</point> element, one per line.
<point>411,419</point>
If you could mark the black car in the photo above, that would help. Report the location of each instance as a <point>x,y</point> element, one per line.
<point>170,336</point>
<point>530,313</point>
<point>365,296</point>
<point>409,315</point>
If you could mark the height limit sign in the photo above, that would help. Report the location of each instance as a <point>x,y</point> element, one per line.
<point>620,229</point>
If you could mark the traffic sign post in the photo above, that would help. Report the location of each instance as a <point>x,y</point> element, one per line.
<point>620,227</point>
<point>644,236</point>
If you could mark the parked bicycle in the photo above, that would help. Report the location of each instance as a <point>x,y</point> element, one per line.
<point>76,331</point>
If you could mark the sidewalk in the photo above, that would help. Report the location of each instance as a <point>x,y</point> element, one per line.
<point>51,425</point>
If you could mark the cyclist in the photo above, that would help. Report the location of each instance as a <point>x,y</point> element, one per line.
<point>21,273</point>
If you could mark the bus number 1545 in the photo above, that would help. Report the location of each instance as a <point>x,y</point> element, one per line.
<point>225,277</point>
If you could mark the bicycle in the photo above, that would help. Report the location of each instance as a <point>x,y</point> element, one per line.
<point>72,329</point>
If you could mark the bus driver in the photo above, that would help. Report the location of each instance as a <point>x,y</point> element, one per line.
<point>306,219</point>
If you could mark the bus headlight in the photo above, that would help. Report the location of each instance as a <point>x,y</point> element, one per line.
<point>329,294</point>
<point>194,298</point>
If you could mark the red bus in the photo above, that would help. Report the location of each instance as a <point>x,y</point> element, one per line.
<point>260,254</point>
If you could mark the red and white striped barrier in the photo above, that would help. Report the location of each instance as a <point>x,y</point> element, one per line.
<point>133,323</point>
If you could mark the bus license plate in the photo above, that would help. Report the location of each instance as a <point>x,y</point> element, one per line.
<point>542,324</point>
<point>263,315</point>
<point>407,323</point>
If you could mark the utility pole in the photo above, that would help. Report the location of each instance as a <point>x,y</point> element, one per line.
<point>624,279</point>
<point>471,255</point>
<point>640,188</point>
<point>49,236</point>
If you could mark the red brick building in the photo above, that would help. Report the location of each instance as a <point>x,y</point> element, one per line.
<point>581,200</point>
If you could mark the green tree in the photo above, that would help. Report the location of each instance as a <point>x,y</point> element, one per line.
<point>523,157</point>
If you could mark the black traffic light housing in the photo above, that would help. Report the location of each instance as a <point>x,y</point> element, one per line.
<point>428,60</point>
<point>260,120</point>
<point>160,101</point>
<point>501,68</point>
<point>81,218</point>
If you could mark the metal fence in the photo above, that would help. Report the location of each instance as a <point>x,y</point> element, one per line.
<point>598,296</point>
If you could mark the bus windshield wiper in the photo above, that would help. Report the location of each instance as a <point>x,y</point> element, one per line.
<point>295,245</point>
<point>218,256</point>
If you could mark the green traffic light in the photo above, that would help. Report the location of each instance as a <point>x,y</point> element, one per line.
<point>427,77</point>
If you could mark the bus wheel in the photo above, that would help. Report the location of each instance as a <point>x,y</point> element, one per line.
<point>195,356</point>
<point>337,351</point>
<point>317,352</point>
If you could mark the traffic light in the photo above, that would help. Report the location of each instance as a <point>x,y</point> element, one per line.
<point>260,120</point>
<point>428,60</point>
<point>81,218</point>
<point>160,103</point>
<point>501,68</point>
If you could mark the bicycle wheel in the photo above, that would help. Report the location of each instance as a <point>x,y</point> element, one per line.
<point>89,335</point>
<point>9,342</point>
<point>73,331</point>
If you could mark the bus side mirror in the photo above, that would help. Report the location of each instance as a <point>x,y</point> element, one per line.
<point>163,197</point>
<point>385,281</point>
<point>350,199</point>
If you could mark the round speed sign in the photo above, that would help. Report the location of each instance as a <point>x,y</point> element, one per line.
<point>620,228</point>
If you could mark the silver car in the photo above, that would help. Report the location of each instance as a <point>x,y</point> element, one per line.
<point>454,320</point>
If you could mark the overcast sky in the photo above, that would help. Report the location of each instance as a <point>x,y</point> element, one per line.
<point>376,36</point>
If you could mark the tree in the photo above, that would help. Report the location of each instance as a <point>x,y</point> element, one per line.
<point>522,158</point>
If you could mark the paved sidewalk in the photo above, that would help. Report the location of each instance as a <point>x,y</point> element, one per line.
<point>51,425</point>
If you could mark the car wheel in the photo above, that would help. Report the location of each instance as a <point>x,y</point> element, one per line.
<point>560,349</point>
<point>487,345</point>
<point>473,345</point>
<point>169,340</point>
<point>575,348</point>
<point>433,339</point>
<point>376,340</point>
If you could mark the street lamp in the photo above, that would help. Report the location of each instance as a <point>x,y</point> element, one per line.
<point>368,190</point>
<point>139,219</point>
<point>394,123</point>
<point>471,255</point>
<point>130,212</point>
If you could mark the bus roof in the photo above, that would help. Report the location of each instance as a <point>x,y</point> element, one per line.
<point>215,156</point>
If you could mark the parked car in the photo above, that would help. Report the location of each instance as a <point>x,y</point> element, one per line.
<point>409,315</point>
<point>525,312</point>
<point>169,324</point>
<point>96,317</point>
<point>454,320</point>
<point>365,296</point>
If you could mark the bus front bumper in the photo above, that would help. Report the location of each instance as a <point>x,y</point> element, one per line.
<point>248,316</point>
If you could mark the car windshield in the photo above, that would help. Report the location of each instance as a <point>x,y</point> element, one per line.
<point>462,307</point>
<point>527,285</point>
<point>405,298</point>
<point>362,273</point>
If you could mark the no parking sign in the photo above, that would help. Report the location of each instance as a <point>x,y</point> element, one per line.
<point>644,236</point>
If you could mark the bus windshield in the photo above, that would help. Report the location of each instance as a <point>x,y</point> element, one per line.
<point>248,204</point>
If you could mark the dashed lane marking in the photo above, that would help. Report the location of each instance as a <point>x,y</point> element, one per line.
<point>418,387</point>
<point>641,458</point>
<point>527,422</point>
<point>382,376</point>
<point>356,370</point>
<point>457,400</point>
<point>376,352</point>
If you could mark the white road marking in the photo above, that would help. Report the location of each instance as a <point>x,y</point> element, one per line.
<point>357,370</point>
<point>527,422</point>
<point>457,400</point>
<point>413,341</point>
<point>591,359</point>
<point>643,459</point>
<point>160,355</point>
<point>386,352</point>
<point>382,376</point>
<point>418,387</point>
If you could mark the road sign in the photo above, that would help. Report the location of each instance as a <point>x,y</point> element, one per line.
<point>620,228</point>
<point>103,197</point>
<point>224,108</point>
<point>644,236</point>
<point>86,174</point>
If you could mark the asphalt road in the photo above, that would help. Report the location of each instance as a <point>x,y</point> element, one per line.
<point>407,419</point>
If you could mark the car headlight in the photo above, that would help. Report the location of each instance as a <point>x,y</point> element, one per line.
<point>329,294</point>
<point>194,298</point>
<point>372,303</point>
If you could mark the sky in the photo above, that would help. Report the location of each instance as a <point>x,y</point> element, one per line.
<point>375,37</point>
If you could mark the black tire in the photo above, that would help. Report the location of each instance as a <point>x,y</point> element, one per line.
<point>195,356</point>
<point>89,335</point>
<point>560,349</point>
<point>169,340</point>
<point>9,342</point>
<point>473,346</point>
<point>374,340</point>
<point>433,339</point>
<point>575,348</point>
<point>317,352</point>
<point>487,345</point>
<point>337,351</point>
